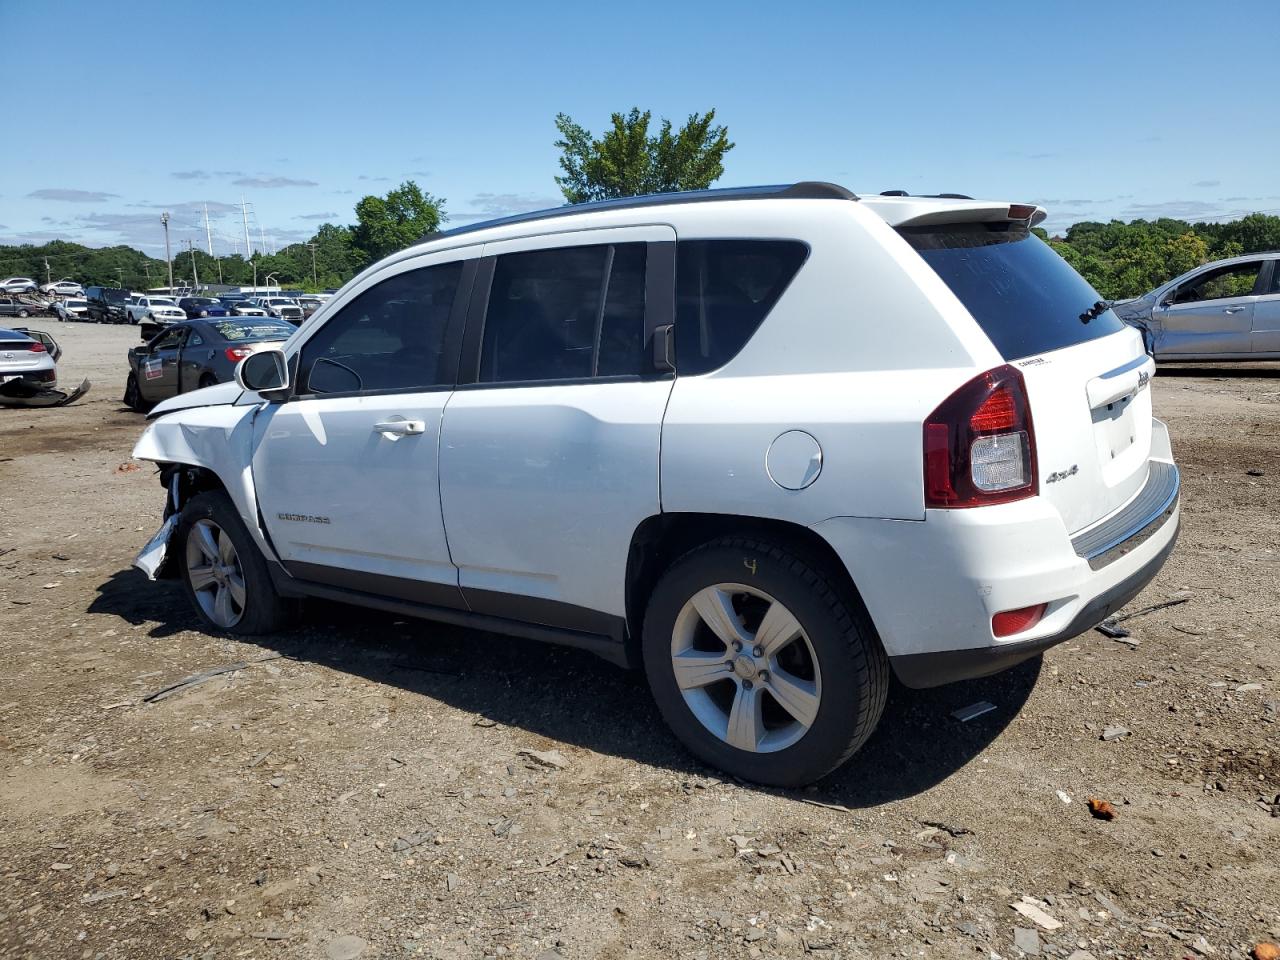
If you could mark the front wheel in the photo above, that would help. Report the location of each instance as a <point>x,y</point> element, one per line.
<point>223,572</point>
<point>133,395</point>
<point>759,666</point>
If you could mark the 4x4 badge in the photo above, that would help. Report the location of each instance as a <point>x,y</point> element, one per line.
<point>1063,474</point>
<point>1143,379</point>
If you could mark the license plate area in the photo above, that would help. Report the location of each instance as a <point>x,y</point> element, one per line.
<point>1114,429</point>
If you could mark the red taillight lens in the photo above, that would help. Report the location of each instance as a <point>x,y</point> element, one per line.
<point>979,445</point>
<point>1008,622</point>
<point>37,347</point>
<point>236,354</point>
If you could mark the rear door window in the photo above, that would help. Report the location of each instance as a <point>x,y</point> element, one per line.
<point>1024,296</point>
<point>571,313</point>
<point>724,290</point>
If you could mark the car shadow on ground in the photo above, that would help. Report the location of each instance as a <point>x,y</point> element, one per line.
<point>1225,372</point>
<point>573,697</point>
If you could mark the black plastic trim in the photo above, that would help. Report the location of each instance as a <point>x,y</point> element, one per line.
<point>394,588</point>
<point>921,670</point>
<point>804,190</point>
<point>606,644</point>
<point>545,613</point>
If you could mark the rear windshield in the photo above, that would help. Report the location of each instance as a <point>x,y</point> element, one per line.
<point>260,329</point>
<point>1025,297</point>
<point>114,296</point>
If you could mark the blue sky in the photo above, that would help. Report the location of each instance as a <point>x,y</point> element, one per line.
<point>1096,110</point>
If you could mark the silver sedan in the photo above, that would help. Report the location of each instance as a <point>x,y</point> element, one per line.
<point>1226,310</point>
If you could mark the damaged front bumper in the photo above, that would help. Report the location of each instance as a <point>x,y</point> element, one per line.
<point>153,559</point>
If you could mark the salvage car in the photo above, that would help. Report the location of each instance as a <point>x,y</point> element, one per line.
<point>26,355</point>
<point>149,309</point>
<point>13,307</point>
<point>107,304</point>
<point>195,307</point>
<point>18,285</point>
<point>770,444</point>
<point>193,354</point>
<point>72,308</point>
<point>1226,310</point>
<point>63,288</point>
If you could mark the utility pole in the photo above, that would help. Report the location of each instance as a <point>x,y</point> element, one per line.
<point>207,232</point>
<point>48,277</point>
<point>195,277</point>
<point>146,265</point>
<point>244,215</point>
<point>168,257</point>
<point>314,281</point>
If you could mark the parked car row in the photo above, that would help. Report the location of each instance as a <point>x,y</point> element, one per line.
<point>65,287</point>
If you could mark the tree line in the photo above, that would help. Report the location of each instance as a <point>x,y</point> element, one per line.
<point>1119,259</point>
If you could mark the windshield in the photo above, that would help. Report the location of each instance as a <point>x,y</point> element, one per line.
<point>162,302</point>
<point>1025,297</point>
<point>264,329</point>
<point>115,296</point>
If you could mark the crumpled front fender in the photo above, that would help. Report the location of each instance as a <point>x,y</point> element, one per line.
<point>218,439</point>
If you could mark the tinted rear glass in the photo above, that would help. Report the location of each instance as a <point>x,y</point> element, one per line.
<point>263,328</point>
<point>724,290</point>
<point>1025,297</point>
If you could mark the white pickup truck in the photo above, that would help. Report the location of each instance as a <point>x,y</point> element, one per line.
<point>146,309</point>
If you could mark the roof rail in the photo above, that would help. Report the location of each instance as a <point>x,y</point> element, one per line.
<point>927,196</point>
<point>804,190</point>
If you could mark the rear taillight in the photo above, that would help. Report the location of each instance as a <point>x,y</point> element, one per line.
<point>979,445</point>
<point>37,347</point>
<point>236,354</point>
<point>1008,622</point>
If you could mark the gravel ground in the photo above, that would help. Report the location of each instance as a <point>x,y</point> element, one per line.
<point>369,786</point>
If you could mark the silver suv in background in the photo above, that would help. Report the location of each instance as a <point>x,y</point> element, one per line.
<point>1225,310</point>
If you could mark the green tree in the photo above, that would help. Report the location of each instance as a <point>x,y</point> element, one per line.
<point>627,161</point>
<point>387,224</point>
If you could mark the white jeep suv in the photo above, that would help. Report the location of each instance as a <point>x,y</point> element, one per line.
<point>769,443</point>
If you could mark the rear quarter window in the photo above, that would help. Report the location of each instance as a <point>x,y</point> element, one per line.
<point>724,290</point>
<point>1025,297</point>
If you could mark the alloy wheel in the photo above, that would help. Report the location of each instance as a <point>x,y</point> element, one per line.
<point>215,573</point>
<point>746,668</point>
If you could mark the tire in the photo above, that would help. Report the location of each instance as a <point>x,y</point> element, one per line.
<point>833,670</point>
<point>22,314</point>
<point>206,380</point>
<point>207,522</point>
<point>132,395</point>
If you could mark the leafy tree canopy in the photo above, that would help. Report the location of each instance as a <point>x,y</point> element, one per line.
<point>387,224</point>
<point>627,160</point>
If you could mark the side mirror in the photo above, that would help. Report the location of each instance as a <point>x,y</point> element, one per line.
<point>266,372</point>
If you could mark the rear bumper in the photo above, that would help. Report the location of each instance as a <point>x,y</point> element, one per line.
<point>932,587</point>
<point>919,670</point>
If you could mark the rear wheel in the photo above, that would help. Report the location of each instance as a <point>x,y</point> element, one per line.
<point>223,572</point>
<point>759,666</point>
<point>23,314</point>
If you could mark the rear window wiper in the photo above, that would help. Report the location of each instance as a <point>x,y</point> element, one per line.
<point>1097,310</point>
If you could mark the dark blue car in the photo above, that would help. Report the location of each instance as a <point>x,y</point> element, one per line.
<point>197,308</point>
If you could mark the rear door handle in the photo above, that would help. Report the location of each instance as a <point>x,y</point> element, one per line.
<point>1232,309</point>
<point>401,428</point>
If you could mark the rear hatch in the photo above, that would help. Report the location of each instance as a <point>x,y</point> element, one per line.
<point>1086,372</point>
<point>19,352</point>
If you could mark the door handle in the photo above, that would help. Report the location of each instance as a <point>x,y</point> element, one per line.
<point>1232,309</point>
<point>401,428</point>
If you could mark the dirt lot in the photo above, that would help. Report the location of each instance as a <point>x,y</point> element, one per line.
<point>364,793</point>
